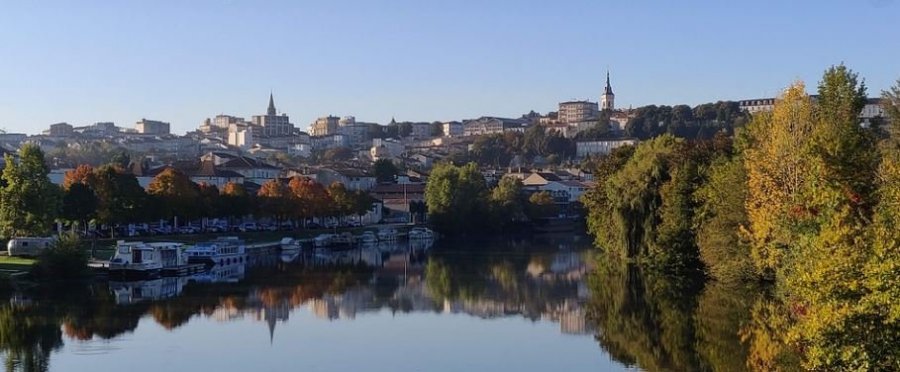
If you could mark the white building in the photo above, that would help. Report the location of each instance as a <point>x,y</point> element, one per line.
<point>577,111</point>
<point>602,147</point>
<point>385,149</point>
<point>156,127</point>
<point>240,135</point>
<point>453,129</point>
<point>493,125</point>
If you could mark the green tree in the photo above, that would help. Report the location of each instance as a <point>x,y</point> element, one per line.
<point>29,202</point>
<point>437,129</point>
<point>456,198</point>
<point>507,202</point>
<point>65,259</point>
<point>385,170</point>
<point>721,214</point>
<point>210,201</point>
<point>541,205</point>
<point>120,197</point>
<point>79,204</point>
<point>337,154</point>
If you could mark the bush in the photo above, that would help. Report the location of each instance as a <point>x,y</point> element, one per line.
<point>63,260</point>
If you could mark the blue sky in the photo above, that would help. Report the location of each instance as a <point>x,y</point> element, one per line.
<point>183,61</point>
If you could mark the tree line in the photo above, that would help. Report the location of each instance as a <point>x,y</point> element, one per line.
<point>109,195</point>
<point>802,199</point>
<point>701,121</point>
<point>460,202</point>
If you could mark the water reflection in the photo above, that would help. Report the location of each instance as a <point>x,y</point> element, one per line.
<point>662,323</point>
<point>638,319</point>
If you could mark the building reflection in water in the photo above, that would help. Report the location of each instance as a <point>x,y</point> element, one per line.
<point>537,280</point>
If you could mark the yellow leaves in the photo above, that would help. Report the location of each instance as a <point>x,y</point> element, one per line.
<point>778,169</point>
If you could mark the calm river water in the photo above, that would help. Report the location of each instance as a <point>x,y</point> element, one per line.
<point>535,304</point>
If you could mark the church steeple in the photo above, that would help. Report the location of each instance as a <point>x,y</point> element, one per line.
<point>271,111</point>
<point>607,99</point>
<point>608,89</point>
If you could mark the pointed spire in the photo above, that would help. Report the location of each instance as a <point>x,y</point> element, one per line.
<point>608,89</point>
<point>270,319</point>
<point>271,110</point>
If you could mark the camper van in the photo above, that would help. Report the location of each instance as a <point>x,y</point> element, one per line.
<point>28,246</point>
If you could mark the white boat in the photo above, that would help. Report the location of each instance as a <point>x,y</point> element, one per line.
<point>343,238</point>
<point>227,273</point>
<point>387,234</point>
<point>222,251</point>
<point>139,259</point>
<point>146,290</point>
<point>421,233</point>
<point>290,249</point>
<point>367,237</point>
<point>323,240</point>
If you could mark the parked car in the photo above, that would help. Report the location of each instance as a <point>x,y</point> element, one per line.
<point>247,226</point>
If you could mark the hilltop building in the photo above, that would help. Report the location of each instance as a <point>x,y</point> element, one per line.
<point>272,124</point>
<point>155,127</point>
<point>608,99</point>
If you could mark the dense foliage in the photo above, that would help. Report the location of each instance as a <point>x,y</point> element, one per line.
<point>65,259</point>
<point>803,197</point>
<point>28,201</point>
<point>459,202</point>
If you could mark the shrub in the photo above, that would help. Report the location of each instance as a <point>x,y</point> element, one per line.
<point>63,260</point>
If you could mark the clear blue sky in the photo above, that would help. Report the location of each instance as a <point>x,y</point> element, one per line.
<point>183,61</point>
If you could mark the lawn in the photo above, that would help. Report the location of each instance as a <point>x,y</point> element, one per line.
<point>15,263</point>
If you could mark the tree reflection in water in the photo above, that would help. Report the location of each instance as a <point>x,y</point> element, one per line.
<point>641,319</point>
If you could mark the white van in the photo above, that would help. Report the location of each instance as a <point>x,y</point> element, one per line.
<point>28,246</point>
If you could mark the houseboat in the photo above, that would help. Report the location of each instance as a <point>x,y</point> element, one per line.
<point>139,259</point>
<point>131,292</point>
<point>222,251</point>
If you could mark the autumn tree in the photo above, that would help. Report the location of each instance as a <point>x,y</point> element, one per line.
<point>778,169</point>
<point>177,192</point>
<point>342,202</point>
<point>28,201</point>
<point>274,200</point>
<point>235,202</point>
<point>83,174</point>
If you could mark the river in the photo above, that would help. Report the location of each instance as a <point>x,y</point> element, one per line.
<point>530,304</point>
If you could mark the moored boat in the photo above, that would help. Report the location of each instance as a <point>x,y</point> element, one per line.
<point>222,251</point>
<point>142,260</point>
<point>387,234</point>
<point>421,233</point>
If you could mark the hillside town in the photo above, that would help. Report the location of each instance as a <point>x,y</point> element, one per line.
<point>231,149</point>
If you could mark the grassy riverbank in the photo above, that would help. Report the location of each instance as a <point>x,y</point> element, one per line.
<point>8,264</point>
